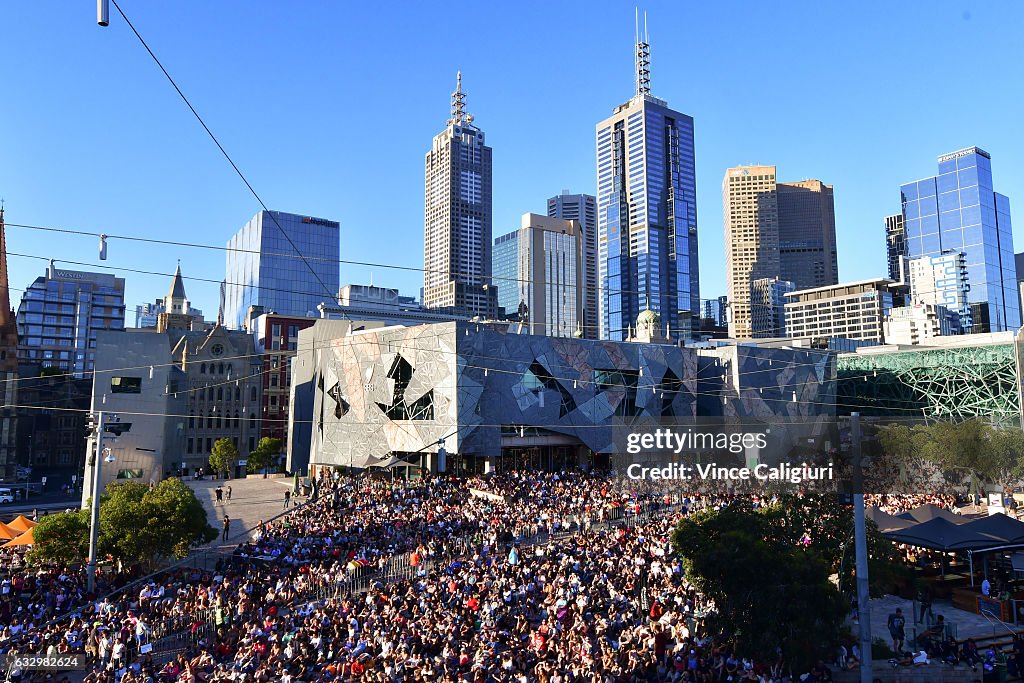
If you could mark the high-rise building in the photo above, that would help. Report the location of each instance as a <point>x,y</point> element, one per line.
<point>60,315</point>
<point>457,217</point>
<point>582,208</point>
<point>543,260</point>
<point>807,234</point>
<point>750,198</point>
<point>854,310</point>
<point>767,306</point>
<point>284,262</point>
<point>8,365</point>
<point>774,230</point>
<point>943,280</point>
<point>895,245</point>
<point>958,211</point>
<point>646,212</point>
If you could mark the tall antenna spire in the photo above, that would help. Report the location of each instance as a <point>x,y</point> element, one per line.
<point>643,58</point>
<point>5,292</point>
<point>458,101</point>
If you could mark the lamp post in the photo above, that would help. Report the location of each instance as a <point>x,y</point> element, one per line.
<point>94,515</point>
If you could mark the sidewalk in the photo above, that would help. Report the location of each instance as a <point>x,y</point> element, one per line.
<point>252,500</point>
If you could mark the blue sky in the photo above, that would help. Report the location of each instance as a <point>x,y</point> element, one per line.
<point>329,107</point>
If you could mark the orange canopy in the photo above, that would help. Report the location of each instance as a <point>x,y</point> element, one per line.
<point>21,523</point>
<point>24,539</point>
<point>6,533</point>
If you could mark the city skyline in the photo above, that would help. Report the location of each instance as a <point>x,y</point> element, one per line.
<point>48,188</point>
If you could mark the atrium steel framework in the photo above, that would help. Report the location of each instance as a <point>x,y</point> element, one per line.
<point>960,382</point>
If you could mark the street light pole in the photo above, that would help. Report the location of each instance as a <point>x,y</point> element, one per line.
<point>94,516</point>
<point>861,545</point>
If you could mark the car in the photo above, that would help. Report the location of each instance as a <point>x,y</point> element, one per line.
<point>6,496</point>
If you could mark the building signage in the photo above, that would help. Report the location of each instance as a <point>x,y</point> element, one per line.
<point>963,153</point>
<point>320,221</point>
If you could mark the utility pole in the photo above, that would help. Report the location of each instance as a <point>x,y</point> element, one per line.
<point>861,544</point>
<point>94,516</point>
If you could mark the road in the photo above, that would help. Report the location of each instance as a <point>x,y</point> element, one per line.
<point>9,511</point>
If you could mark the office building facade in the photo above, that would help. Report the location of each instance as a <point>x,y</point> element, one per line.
<point>854,310</point>
<point>767,306</point>
<point>646,213</point>
<point>919,323</point>
<point>62,312</point>
<point>544,261</point>
<point>457,217</point>
<point>958,211</point>
<point>582,208</point>
<point>276,339</point>
<point>895,246</point>
<point>265,269</point>
<point>807,234</point>
<point>943,280</point>
<point>775,230</point>
<point>750,199</point>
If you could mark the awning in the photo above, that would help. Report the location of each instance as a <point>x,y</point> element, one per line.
<point>928,512</point>
<point>885,521</point>
<point>6,533</point>
<point>24,539</point>
<point>21,524</point>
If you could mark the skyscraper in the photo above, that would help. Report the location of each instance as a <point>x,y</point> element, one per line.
<point>457,217</point>
<point>61,313</point>
<point>646,212</point>
<point>750,199</point>
<point>286,274</point>
<point>895,245</point>
<point>807,234</point>
<point>958,211</point>
<point>775,231</point>
<point>582,208</point>
<point>543,262</point>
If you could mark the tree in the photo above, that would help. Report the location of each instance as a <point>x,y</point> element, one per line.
<point>139,525</point>
<point>223,456</point>
<point>768,595</point>
<point>260,458</point>
<point>903,445</point>
<point>61,538</point>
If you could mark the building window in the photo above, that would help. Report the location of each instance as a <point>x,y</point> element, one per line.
<point>189,447</point>
<point>126,385</point>
<point>252,393</point>
<point>220,393</point>
<point>252,443</point>
<point>202,369</point>
<point>209,445</point>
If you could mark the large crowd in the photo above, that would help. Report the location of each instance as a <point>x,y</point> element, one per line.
<point>512,578</point>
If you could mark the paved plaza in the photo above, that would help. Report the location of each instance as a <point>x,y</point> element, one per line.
<point>252,500</point>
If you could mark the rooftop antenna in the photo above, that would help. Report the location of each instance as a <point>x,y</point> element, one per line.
<point>643,59</point>
<point>458,101</point>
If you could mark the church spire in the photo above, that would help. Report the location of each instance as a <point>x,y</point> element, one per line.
<point>5,292</point>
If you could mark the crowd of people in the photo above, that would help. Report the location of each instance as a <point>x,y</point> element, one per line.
<point>522,577</point>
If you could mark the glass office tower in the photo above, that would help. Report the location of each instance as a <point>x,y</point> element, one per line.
<point>646,213</point>
<point>264,269</point>
<point>958,211</point>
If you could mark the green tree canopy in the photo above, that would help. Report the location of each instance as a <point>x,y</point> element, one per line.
<point>62,537</point>
<point>260,458</point>
<point>768,593</point>
<point>138,525</point>
<point>223,456</point>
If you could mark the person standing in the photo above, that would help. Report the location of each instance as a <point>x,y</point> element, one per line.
<point>227,527</point>
<point>229,491</point>
<point>287,498</point>
<point>896,624</point>
<point>219,492</point>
